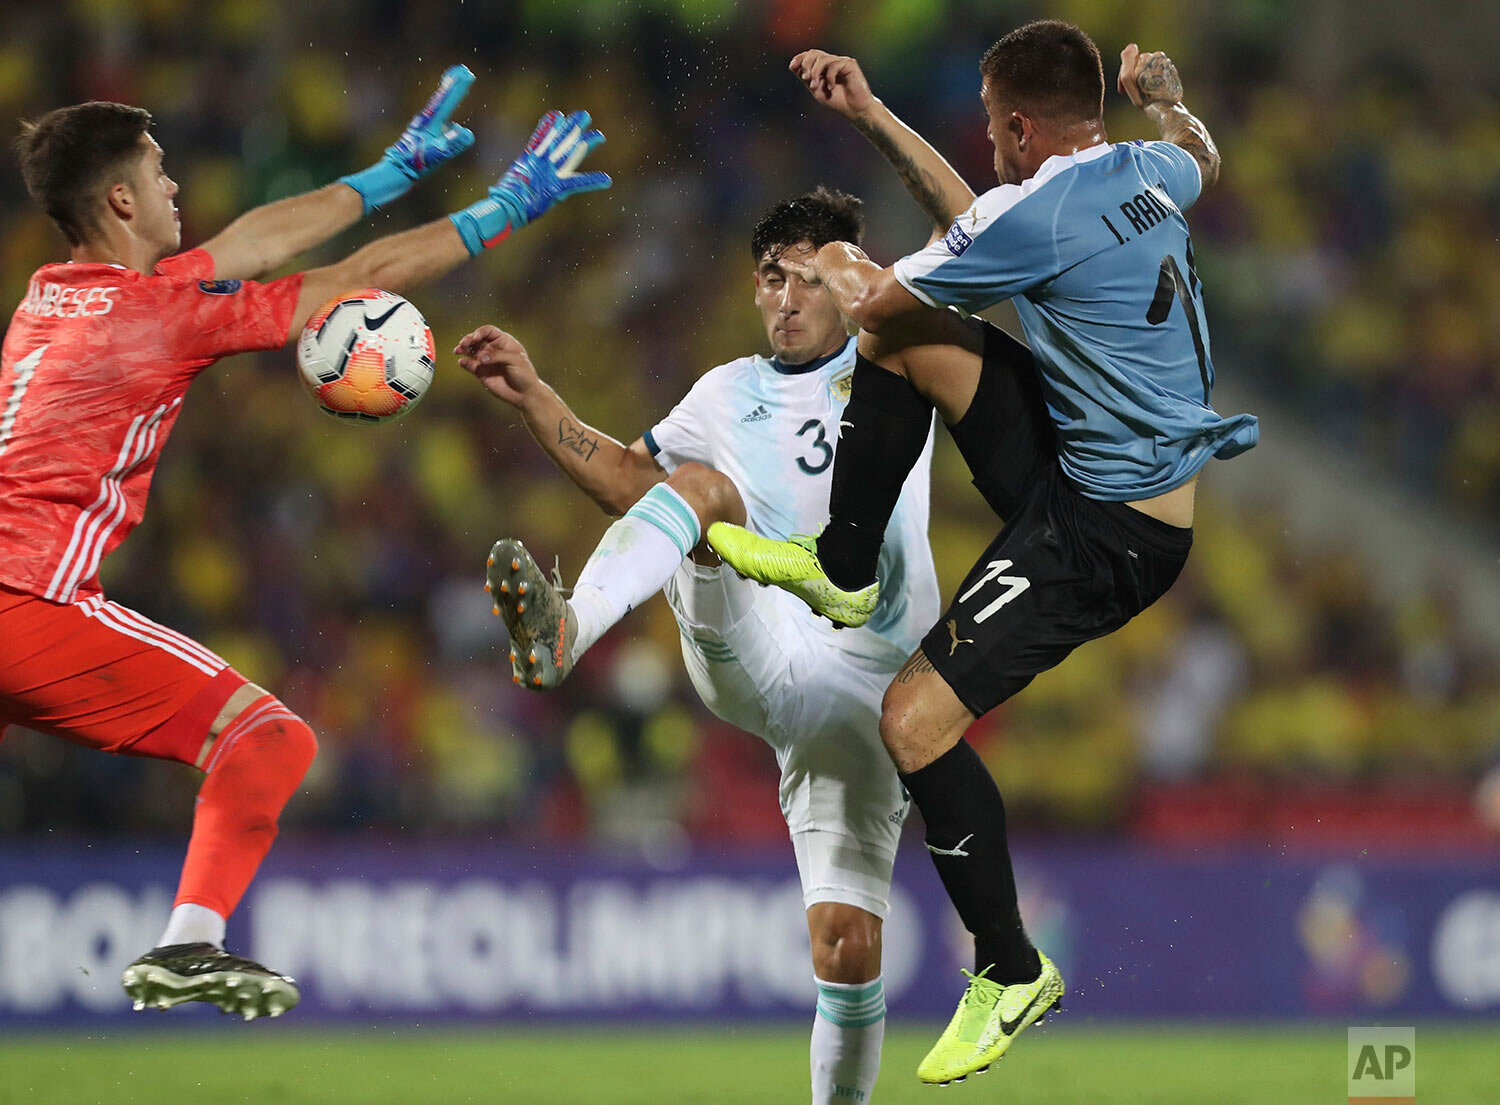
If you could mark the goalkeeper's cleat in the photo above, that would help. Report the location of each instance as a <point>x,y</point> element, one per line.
<point>989,1018</point>
<point>542,625</point>
<point>793,566</point>
<point>175,973</point>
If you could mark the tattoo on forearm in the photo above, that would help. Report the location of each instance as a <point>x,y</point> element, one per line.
<point>922,185</point>
<point>574,438</point>
<point>917,665</point>
<point>1181,127</point>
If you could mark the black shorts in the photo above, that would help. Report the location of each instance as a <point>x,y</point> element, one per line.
<point>1064,568</point>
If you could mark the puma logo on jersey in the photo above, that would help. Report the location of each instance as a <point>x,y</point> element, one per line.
<point>956,850</point>
<point>953,632</point>
<point>759,414</point>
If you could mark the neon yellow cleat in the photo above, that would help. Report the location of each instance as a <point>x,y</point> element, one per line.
<point>989,1018</point>
<point>793,566</point>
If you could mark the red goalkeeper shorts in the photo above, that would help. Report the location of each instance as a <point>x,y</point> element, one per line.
<point>101,675</point>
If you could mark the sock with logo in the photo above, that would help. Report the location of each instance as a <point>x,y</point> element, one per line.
<point>633,560</point>
<point>847,1034</point>
<point>882,433</point>
<point>965,818</point>
<point>254,767</point>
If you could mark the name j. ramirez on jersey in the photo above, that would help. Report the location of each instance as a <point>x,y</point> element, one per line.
<point>62,301</point>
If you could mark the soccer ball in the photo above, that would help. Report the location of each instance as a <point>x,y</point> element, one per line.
<point>366,356</point>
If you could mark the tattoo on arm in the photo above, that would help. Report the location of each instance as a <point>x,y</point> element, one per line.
<point>1161,97</point>
<point>1182,128</point>
<point>1160,83</point>
<point>574,438</point>
<point>922,185</point>
<point>917,665</point>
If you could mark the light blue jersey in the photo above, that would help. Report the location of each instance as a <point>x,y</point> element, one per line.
<point>1095,252</point>
<point>772,430</point>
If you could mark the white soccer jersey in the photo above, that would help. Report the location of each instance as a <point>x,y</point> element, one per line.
<point>760,659</point>
<point>773,432</point>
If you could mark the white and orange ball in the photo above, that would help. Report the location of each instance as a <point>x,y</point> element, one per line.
<point>366,356</point>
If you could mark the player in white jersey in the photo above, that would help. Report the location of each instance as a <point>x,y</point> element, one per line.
<point>752,442</point>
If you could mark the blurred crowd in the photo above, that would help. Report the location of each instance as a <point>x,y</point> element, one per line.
<point>1357,243</point>
<point>1352,279</point>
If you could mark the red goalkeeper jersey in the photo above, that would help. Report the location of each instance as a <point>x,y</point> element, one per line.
<point>92,375</point>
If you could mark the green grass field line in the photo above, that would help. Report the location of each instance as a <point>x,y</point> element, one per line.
<point>1060,1065</point>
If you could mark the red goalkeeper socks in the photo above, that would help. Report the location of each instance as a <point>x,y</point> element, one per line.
<point>253,769</point>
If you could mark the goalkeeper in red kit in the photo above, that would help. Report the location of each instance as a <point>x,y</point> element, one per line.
<point>94,369</point>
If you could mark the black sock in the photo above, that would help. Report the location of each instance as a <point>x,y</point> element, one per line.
<point>884,429</point>
<point>965,819</point>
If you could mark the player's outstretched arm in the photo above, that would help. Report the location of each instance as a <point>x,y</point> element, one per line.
<point>265,238</point>
<point>543,176</point>
<point>866,293</point>
<point>268,237</point>
<point>397,263</point>
<point>837,82</point>
<point>614,476</point>
<point>1152,83</point>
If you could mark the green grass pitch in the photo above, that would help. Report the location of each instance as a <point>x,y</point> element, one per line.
<point>725,1065</point>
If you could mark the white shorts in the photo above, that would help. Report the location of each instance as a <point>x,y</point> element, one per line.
<point>766,664</point>
<point>835,867</point>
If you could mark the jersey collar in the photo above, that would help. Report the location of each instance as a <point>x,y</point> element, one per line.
<point>1060,161</point>
<point>810,366</point>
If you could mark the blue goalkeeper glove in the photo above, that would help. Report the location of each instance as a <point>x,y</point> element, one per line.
<point>428,141</point>
<point>542,176</point>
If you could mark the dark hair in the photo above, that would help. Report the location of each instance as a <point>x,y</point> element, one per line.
<point>820,217</point>
<point>1050,69</point>
<point>70,156</point>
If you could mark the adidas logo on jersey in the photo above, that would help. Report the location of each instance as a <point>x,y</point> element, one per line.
<point>759,414</point>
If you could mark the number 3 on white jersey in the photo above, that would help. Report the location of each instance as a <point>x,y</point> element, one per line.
<point>1013,585</point>
<point>24,370</point>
